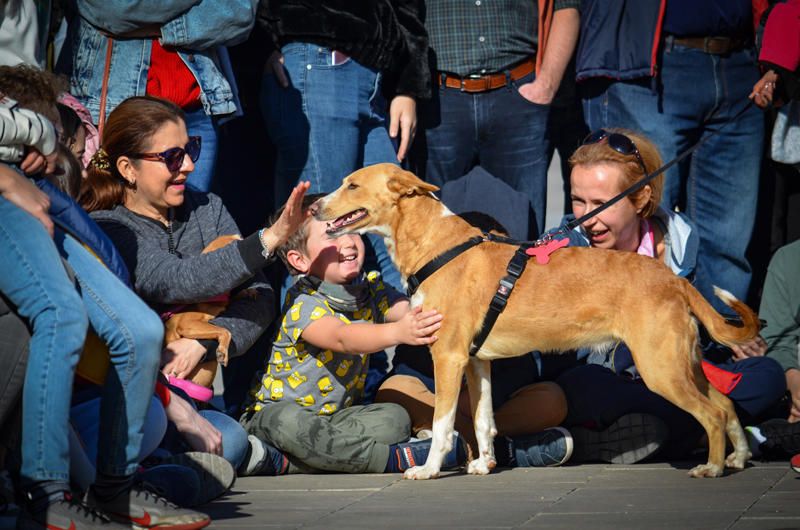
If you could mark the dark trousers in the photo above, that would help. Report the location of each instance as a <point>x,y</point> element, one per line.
<point>14,338</point>
<point>596,397</point>
<point>499,130</point>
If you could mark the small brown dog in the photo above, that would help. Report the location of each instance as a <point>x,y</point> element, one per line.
<point>192,322</point>
<point>583,297</point>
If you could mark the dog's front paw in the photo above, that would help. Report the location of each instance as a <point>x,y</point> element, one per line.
<point>481,466</point>
<point>706,470</point>
<point>737,460</point>
<point>420,473</point>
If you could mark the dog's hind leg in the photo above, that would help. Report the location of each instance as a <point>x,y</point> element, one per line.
<point>741,450</point>
<point>448,369</point>
<point>480,395</point>
<point>670,368</point>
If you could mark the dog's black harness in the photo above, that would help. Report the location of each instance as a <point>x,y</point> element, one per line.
<point>516,266</point>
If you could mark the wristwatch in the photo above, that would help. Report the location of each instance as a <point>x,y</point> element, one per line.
<point>265,251</point>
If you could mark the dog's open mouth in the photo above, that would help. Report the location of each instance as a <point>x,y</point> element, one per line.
<point>346,220</point>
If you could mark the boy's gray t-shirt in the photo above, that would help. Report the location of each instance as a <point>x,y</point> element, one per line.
<point>323,380</point>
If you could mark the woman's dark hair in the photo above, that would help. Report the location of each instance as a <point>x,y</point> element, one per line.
<point>129,129</point>
<point>68,176</point>
<point>70,124</point>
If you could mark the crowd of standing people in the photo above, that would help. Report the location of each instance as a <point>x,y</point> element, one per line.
<point>159,164</point>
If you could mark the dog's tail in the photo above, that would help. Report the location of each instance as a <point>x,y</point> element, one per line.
<point>724,331</point>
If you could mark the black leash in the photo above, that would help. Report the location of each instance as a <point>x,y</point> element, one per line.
<point>642,183</point>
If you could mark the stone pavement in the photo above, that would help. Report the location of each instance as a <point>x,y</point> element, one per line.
<point>764,496</point>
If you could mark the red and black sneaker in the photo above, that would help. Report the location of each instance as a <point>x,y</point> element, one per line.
<point>143,508</point>
<point>795,463</point>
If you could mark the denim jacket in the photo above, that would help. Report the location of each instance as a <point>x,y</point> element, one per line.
<point>195,28</point>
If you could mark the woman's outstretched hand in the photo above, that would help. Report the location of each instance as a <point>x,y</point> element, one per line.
<point>290,220</point>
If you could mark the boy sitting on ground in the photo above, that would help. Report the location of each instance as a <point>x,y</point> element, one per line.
<point>305,408</point>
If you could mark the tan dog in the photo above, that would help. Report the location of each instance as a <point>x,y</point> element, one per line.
<point>192,322</point>
<point>583,297</point>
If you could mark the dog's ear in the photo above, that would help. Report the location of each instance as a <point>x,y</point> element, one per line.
<point>406,183</point>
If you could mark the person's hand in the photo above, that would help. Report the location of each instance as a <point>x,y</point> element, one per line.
<point>417,327</point>
<point>290,220</point>
<point>195,429</point>
<point>275,67</point>
<point>403,120</point>
<point>756,347</point>
<point>793,385</point>
<point>35,162</point>
<point>20,191</point>
<point>764,90</point>
<point>181,356</point>
<point>539,91</point>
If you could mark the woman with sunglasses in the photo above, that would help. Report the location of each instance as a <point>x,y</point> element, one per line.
<point>631,423</point>
<point>136,190</point>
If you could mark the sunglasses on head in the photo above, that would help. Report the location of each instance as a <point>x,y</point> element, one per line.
<point>173,157</point>
<point>618,142</point>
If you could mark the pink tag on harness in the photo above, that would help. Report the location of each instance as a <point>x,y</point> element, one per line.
<point>542,252</point>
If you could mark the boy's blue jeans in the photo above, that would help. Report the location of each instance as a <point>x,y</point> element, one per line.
<point>717,186</point>
<point>59,311</point>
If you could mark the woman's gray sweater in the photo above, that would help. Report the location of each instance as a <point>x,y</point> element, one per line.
<point>168,268</point>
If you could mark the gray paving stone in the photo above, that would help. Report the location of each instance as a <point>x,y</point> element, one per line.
<point>764,496</point>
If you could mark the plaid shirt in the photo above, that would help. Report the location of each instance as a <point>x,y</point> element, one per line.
<point>483,36</point>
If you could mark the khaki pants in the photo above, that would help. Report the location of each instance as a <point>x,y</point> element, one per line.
<point>530,409</point>
<point>352,440</point>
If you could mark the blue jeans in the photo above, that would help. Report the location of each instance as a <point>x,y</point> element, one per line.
<point>198,123</point>
<point>717,186</point>
<point>84,435</point>
<point>329,122</point>
<point>32,277</point>
<point>500,130</point>
<point>234,437</point>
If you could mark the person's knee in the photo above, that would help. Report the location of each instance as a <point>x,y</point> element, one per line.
<point>147,331</point>
<point>397,422</point>
<point>70,323</point>
<point>281,422</point>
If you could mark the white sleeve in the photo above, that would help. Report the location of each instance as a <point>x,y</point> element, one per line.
<point>21,127</point>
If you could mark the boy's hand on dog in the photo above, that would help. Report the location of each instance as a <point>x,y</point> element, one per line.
<point>196,430</point>
<point>417,327</point>
<point>181,356</point>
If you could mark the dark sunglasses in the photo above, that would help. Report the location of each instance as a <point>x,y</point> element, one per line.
<point>618,142</point>
<point>173,157</point>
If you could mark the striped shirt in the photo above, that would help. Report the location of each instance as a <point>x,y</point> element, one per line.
<point>483,36</point>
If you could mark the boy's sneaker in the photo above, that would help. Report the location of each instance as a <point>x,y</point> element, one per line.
<point>630,439</point>
<point>409,454</point>
<point>783,438</point>
<point>63,511</point>
<point>795,463</point>
<point>142,508</point>
<point>263,459</point>
<point>216,475</point>
<point>551,447</point>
